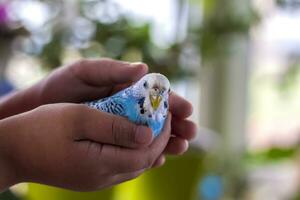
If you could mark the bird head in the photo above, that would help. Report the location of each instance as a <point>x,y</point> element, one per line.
<point>156,87</point>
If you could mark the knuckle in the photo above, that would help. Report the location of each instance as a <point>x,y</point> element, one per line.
<point>149,162</point>
<point>82,115</point>
<point>142,162</point>
<point>123,133</point>
<point>130,133</point>
<point>134,132</point>
<point>75,111</point>
<point>78,67</point>
<point>115,129</point>
<point>108,63</point>
<point>138,163</point>
<point>81,109</point>
<point>76,115</point>
<point>81,63</point>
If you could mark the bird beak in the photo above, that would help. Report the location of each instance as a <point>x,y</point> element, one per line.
<point>155,101</point>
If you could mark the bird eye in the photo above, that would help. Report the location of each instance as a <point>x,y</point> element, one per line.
<point>145,84</point>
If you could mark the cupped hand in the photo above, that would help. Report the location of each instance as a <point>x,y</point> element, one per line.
<point>91,79</point>
<point>87,80</point>
<point>182,131</point>
<point>79,148</point>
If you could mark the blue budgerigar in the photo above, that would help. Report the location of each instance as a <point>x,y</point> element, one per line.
<point>145,102</point>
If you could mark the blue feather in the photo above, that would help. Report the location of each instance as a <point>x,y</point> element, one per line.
<point>130,103</point>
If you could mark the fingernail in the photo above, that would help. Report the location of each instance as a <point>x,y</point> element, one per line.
<point>186,145</point>
<point>163,160</point>
<point>160,163</point>
<point>135,64</point>
<point>143,136</point>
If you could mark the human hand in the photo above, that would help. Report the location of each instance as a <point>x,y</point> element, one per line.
<point>76,147</point>
<point>75,83</point>
<point>86,80</point>
<point>183,130</point>
<point>92,79</point>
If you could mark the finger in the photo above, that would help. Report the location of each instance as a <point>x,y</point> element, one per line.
<point>159,162</point>
<point>106,128</point>
<point>91,92</point>
<point>119,87</point>
<point>179,107</point>
<point>102,72</point>
<point>124,160</point>
<point>160,143</point>
<point>176,146</point>
<point>185,129</point>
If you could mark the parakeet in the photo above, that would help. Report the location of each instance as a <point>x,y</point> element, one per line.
<point>144,103</point>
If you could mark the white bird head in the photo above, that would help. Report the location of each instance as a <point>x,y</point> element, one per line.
<point>155,87</point>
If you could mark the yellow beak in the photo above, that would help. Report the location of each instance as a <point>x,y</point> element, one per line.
<point>155,101</point>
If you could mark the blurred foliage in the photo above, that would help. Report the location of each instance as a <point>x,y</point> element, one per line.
<point>9,28</point>
<point>290,76</point>
<point>102,33</point>
<point>224,31</point>
<point>117,41</point>
<point>290,4</point>
<point>271,155</point>
<point>7,195</point>
<point>222,19</point>
<point>9,33</point>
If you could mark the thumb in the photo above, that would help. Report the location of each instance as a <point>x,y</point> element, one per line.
<point>115,130</point>
<point>102,72</point>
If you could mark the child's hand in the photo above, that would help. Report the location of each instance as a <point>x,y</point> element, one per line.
<point>76,147</point>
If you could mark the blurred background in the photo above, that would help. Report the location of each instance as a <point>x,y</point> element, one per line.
<point>237,61</point>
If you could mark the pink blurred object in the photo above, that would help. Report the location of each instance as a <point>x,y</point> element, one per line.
<point>4,13</point>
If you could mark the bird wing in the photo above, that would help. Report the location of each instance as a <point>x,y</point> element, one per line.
<point>114,105</point>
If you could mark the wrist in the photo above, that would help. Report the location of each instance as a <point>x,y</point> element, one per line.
<point>7,172</point>
<point>20,101</point>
